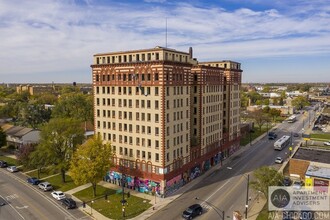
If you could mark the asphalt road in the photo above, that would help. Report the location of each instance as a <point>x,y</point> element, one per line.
<point>224,190</point>
<point>27,202</point>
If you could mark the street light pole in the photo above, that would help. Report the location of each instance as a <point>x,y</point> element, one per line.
<point>123,201</point>
<point>247,196</point>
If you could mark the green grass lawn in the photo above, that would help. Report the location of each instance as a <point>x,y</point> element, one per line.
<point>10,161</point>
<point>45,172</point>
<point>57,183</point>
<point>322,137</point>
<point>112,208</point>
<point>264,214</point>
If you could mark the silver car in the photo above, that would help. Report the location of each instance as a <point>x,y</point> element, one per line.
<point>45,186</point>
<point>12,169</point>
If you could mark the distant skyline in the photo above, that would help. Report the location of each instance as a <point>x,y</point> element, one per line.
<point>55,40</point>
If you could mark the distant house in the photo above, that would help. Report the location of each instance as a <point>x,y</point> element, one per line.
<point>285,110</point>
<point>19,136</point>
<point>269,94</point>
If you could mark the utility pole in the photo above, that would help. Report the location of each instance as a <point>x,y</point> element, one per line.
<point>247,196</point>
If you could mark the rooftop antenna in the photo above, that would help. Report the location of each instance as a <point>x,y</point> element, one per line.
<point>166,32</point>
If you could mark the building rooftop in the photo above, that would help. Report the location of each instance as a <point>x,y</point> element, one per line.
<point>321,156</point>
<point>318,171</point>
<point>157,48</point>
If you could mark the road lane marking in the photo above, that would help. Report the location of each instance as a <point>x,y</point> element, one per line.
<point>13,208</point>
<point>58,206</point>
<point>23,207</point>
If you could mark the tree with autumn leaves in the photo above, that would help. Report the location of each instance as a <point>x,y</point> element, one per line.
<point>90,162</point>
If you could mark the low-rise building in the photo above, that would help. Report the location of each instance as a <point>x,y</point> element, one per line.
<point>19,136</point>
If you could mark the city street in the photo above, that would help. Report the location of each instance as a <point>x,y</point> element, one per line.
<point>24,201</point>
<point>224,190</point>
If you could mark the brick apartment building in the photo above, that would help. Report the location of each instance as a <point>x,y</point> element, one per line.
<point>167,116</point>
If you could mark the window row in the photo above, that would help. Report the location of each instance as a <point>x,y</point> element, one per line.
<point>177,128</point>
<point>127,58</point>
<point>139,154</point>
<point>127,77</point>
<point>129,128</point>
<point>129,103</point>
<point>127,90</point>
<point>176,154</point>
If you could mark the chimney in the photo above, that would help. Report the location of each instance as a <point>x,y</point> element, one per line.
<point>190,52</point>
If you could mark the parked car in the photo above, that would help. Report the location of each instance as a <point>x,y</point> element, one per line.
<point>12,169</point>
<point>58,195</point>
<point>3,164</point>
<point>33,180</point>
<point>287,181</point>
<point>45,186</point>
<point>69,203</point>
<point>295,135</point>
<point>327,143</point>
<point>192,211</point>
<point>279,160</point>
<point>297,184</point>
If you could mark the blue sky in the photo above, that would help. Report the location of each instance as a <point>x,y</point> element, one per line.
<point>44,41</point>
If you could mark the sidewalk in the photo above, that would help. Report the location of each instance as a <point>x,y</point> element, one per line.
<point>158,203</point>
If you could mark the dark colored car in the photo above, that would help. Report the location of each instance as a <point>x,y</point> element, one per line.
<point>287,181</point>
<point>272,135</point>
<point>69,203</point>
<point>192,211</point>
<point>3,164</point>
<point>33,180</point>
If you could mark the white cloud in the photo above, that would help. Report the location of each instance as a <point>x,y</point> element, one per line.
<point>50,36</point>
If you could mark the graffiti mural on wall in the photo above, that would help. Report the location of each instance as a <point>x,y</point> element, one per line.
<point>195,172</point>
<point>134,183</point>
<point>233,148</point>
<point>173,184</point>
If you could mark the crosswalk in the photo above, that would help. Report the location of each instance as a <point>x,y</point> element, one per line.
<point>205,206</point>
